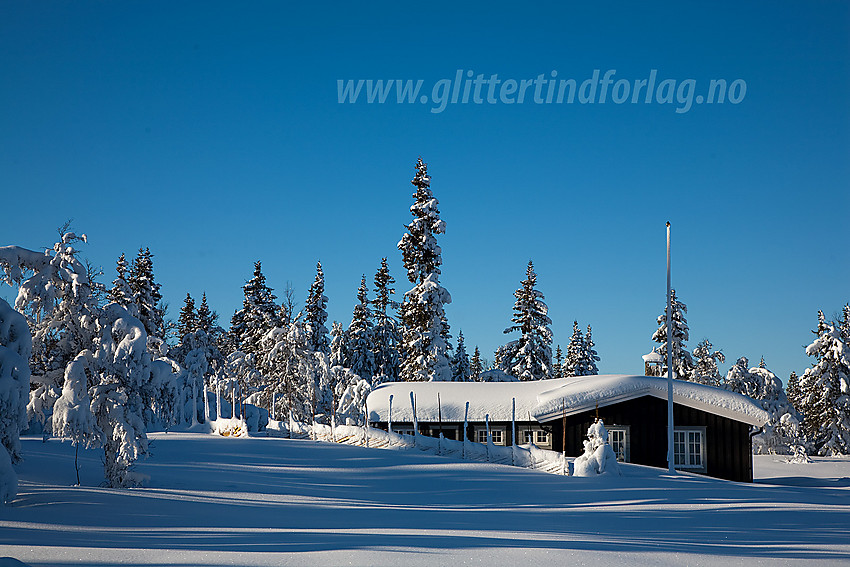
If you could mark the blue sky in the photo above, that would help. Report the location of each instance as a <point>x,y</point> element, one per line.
<point>211,133</point>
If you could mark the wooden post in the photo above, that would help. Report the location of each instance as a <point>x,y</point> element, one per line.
<point>564,437</point>
<point>440,422</point>
<point>465,426</point>
<point>415,422</point>
<point>489,439</point>
<point>513,431</point>
<point>390,416</point>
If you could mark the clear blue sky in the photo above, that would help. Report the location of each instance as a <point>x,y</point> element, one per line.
<point>211,133</point>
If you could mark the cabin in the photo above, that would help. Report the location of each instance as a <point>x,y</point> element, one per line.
<point>713,428</point>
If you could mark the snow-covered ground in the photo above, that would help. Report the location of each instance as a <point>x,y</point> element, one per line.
<point>268,501</point>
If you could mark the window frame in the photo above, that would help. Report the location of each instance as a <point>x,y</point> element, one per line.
<point>687,445</point>
<point>481,432</point>
<point>626,430</point>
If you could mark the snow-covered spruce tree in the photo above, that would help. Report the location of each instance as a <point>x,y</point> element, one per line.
<point>705,369</point>
<point>316,315</point>
<point>121,292</point>
<point>476,366</point>
<point>146,294</point>
<point>285,356</point>
<point>187,321</point>
<point>530,356</point>
<point>557,366</point>
<point>207,320</point>
<point>55,296</point>
<point>15,351</point>
<point>101,402</point>
<point>598,457</point>
<point>572,365</point>
<point>216,337</point>
<point>683,363</point>
<point>423,319</point>
<point>825,391</point>
<point>360,352</point>
<point>461,368</point>
<point>259,313</point>
<point>339,343</point>
<point>792,390</point>
<point>386,336</point>
<point>589,356</point>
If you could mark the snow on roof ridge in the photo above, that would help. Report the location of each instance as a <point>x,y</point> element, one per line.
<point>547,399</point>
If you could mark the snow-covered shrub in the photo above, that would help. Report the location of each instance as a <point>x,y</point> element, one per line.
<point>782,431</point>
<point>598,457</point>
<point>57,298</point>
<point>101,402</point>
<point>15,350</point>
<point>352,398</point>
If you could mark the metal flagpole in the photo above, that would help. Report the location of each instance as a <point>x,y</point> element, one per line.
<point>670,453</point>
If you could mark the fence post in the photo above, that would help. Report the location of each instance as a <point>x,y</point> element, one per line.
<point>390,416</point>
<point>489,438</point>
<point>415,421</point>
<point>465,422</point>
<point>440,422</point>
<point>513,431</point>
<point>366,422</point>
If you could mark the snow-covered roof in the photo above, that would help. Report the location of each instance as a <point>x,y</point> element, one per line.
<point>543,400</point>
<point>653,356</point>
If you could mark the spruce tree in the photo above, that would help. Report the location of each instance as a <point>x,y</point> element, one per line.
<point>461,368</point>
<point>121,292</point>
<point>187,322</point>
<point>475,366</point>
<point>589,356</point>
<point>557,367</point>
<point>146,293</point>
<point>575,352</point>
<point>259,313</point>
<point>792,390</point>
<point>825,391</point>
<point>387,338</point>
<point>683,363</point>
<point>207,319</point>
<point>317,315</point>
<point>361,356</point>
<point>425,329</point>
<point>530,356</point>
<point>705,369</point>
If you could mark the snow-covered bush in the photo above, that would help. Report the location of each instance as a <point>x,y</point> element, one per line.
<point>782,431</point>
<point>101,402</point>
<point>57,298</point>
<point>598,457</point>
<point>352,398</point>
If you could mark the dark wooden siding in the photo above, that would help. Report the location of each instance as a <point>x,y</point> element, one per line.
<point>728,449</point>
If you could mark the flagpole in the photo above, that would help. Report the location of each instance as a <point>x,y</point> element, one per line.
<point>671,465</point>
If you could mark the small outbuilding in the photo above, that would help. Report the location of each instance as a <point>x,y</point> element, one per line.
<point>713,428</point>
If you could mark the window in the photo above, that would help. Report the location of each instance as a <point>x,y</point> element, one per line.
<point>689,448</point>
<point>618,438</point>
<point>497,435</point>
<point>541,437</point>
<point>536,436</point>
<point>404,431</point>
